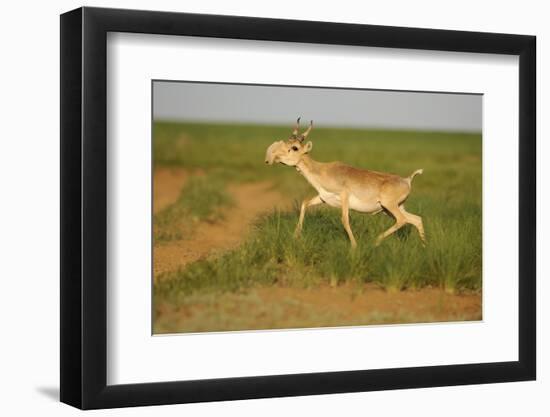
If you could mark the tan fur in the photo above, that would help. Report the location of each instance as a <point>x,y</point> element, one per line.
<point>346,187</point>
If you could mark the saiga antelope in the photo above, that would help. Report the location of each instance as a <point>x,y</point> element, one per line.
<point>340,185</point>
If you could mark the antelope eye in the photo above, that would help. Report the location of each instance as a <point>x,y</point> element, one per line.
<point>294,148</point>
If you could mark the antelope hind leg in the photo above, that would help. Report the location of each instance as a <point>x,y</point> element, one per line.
<point>400,221</point>
<point>416,221</point>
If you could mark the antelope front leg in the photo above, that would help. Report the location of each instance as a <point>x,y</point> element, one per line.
<point>305,204</point>
<point>345,218</point>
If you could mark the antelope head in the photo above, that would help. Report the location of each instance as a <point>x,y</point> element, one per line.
<point>290,151</point>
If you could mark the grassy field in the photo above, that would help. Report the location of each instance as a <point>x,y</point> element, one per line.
<point>447,196</point>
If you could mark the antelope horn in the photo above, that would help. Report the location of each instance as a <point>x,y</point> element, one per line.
<point>304,135</point>
<point>295,131</point>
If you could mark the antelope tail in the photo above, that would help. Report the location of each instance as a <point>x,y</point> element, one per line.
<point>414,174</point>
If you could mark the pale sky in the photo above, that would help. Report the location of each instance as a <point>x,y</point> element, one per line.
<point>239,103</point>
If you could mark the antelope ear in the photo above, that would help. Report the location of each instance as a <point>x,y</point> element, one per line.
<point>308,147</point>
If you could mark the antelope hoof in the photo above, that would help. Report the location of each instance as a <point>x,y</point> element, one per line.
<point>353,245</point>
<point>297,233</point>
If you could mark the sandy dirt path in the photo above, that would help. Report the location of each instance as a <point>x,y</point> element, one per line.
<point>251,200</point>
<point>167,186</point>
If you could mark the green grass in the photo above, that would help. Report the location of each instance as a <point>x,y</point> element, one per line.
<point>447,196</point>
<point>272,256</point>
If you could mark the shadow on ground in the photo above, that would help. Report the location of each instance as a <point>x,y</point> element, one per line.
<point>50,392</point>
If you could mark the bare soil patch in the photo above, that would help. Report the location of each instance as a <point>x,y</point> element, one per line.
<point>287,307</point>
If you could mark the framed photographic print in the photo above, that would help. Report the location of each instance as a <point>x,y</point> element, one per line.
<point>257,208</point>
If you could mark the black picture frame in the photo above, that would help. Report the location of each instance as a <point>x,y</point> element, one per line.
<point>84,207</point>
